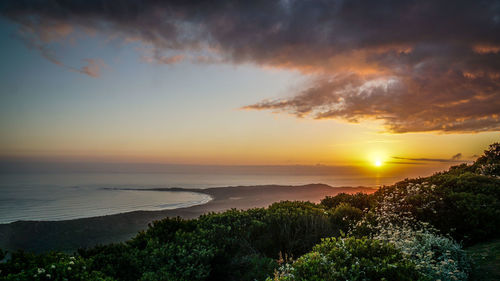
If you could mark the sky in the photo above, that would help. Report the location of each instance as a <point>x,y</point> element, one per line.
<point>414,85</point>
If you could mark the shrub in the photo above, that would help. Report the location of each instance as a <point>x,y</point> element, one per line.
<point>293,228</point>
<point>52,266</point>
<point>465,206</point>
<point>436,257</point>
<point>359,200</point>
<point>349,259</point>
<point>117,260</point>
<point>233,245</point>
<point>344,216</point>
<point>186,258</point>
<point>489,163</point>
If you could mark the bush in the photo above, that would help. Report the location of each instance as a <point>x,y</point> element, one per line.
<point>489,163</point>
<point>293,228</point>
<point>233,245</point>
<point>52,266</point>
<point>344,216</point>
<point>436,257</point>
<point>465,206</point>
<point>350,259</point>
<point>117,260</point>
<point>359,200</point>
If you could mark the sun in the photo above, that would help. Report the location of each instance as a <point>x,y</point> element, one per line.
<point>376,158</point>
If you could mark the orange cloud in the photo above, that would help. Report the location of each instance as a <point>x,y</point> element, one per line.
<point>486,49</point>
<point>93,67</point>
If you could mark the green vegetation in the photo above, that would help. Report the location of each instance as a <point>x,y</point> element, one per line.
<point>412,230</point>
<point>486,259</point>
<point>50,266</point>
<point>350,259</point>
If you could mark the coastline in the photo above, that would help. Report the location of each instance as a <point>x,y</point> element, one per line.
<point>69,235</point>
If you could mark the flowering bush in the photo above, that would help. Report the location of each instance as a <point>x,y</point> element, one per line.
<point>489,163</point>
<point>436,257</point>
<point>464,205</point>
<point>53,266</point>
<point>350,259</point>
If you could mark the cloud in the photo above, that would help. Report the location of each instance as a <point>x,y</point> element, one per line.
<point>93,67</point>
<point>40,37</point>
<point>170,60</point>
<point>414,65</point>
<point>454,158</point>
<point>160,59</point>
<point>405,163</point>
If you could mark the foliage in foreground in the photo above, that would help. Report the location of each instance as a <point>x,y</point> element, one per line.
<point>350,259</point>
<point>436,257</point>
<point>486,261</point>
<point>50,266</point>
<point>234,245</point>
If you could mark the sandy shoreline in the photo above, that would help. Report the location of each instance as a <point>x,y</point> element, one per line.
<point>69,235</point>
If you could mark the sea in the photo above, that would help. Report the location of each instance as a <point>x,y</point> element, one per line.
<point>63,196</point>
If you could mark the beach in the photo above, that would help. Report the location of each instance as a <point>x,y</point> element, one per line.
<point>69,235</point>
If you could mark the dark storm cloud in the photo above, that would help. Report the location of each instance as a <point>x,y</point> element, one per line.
<point>414,65</point>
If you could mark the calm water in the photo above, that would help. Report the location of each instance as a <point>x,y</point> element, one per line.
<point>53,196</point>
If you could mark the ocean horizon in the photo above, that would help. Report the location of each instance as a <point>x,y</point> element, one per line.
<point>63,196</point>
